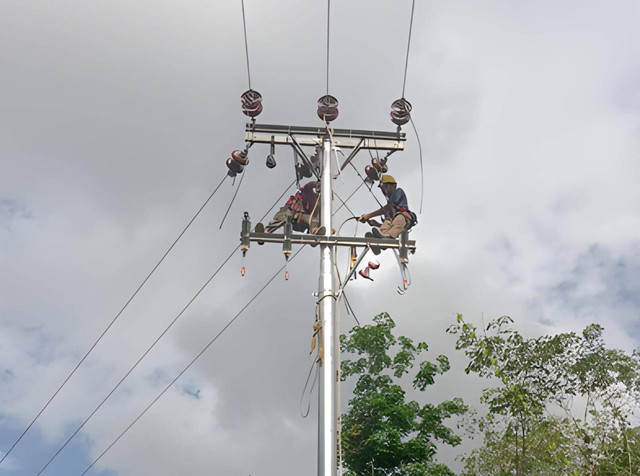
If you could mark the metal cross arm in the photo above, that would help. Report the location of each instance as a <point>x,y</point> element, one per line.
<point>313,136</point>
<point>333,240</point>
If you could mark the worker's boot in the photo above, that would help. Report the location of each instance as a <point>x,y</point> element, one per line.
<point>375,249</point>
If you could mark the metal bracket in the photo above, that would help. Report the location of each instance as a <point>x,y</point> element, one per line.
<point>245,241</point>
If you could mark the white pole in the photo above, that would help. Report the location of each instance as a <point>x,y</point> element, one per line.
<point>327,414</point>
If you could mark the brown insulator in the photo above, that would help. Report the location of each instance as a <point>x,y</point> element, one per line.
<point>302,171</point>
<point>251,103</point>
<point>380,164</point>
<point>327,108</point>
<point>234,167</point>
<point>240,156</point>
<point>400,111</point>
<point>372,173</point>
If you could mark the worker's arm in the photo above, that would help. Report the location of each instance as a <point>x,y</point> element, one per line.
<point>367,216</point>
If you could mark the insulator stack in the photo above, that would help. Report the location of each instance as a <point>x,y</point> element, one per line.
<point>251,103</point>
<point>237,162</point>
<point>302,171</point>
<point>400,111</point>
<point>376,169</point>
<point>327,108</point>
<point>372,173</point>
<point>271,159</point>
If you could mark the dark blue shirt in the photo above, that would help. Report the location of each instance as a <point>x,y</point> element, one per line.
<point>399,199</point>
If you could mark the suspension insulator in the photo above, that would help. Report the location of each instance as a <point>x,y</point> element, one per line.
<point>271,160</point>
<point>372,173</point>
<point>327,108</point>
<point>234,167</point>
<point>302,171</point>
<point>380,165</point>
<point>400,111</point>
<point>241,156</point>
<point>251,103</point>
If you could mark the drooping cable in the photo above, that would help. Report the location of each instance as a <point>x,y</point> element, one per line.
<point>158,339</point>
<point>86,420</point>
<point>421,166</point>
<point>246,43</point>
<point>4,456</point>
<point>232,200</point>
<point>406,64</point>
<point>191,363</point>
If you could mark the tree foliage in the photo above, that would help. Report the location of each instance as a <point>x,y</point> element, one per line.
<point>565,404</point>
<point>382,434</point>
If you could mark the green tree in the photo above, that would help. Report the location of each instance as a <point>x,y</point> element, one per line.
<point>567,390</point>
<point>382,434</point>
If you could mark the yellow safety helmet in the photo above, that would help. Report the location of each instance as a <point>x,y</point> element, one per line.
<point>387,179</point>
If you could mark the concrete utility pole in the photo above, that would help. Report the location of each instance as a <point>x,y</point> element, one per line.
<point>325,170</point>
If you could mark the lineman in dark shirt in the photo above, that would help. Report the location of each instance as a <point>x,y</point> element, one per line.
<point>397,215</point>
<point>303,208</point>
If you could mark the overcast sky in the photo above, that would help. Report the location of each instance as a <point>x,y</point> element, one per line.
<point>116,119</point>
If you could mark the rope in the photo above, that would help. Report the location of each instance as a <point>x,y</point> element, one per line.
<point>211,342</point>
<point>406,64</point>
<point>421,167</point>
<point>112,322</point>
<point>232,200</point>
<point>246,43</point>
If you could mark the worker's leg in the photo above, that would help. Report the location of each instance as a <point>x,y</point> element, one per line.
<point>394,227</point>
<point>278,219</point>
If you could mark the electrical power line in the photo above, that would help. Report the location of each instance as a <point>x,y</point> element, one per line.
<point>246,43</point>
<point>155,342</point>
<point>328,31</point>
<point>406,64</point>
<point>111,323</point>
<point>86,420</point>
<point>191,363</point>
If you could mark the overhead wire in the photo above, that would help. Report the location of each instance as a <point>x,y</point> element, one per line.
<point>328,33</point>
<point>153,344</point>
<point>232,200</point>
<point>246,43</point>
<point>406,63</point>
<point>4,456</point>
<point>86,420</point>
<point>421,166</point>
<point>404,83</point>
<point>211,342</point>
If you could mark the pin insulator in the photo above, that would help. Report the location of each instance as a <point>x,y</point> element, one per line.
<point>251,103</point>
<point>372,173</point>
<point>234,167</point>
<point>380,165</point>
<point>241,156</point>
<point>400,111</point>
<point>302,171</point>
<point>327,108</point>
